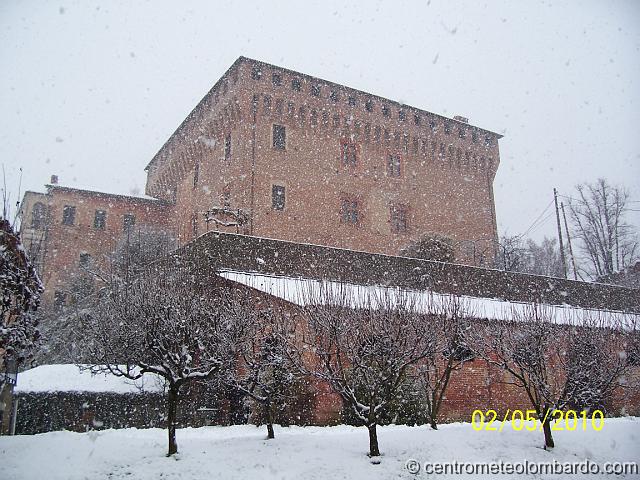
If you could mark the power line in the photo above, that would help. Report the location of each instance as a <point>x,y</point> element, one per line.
<point>536,221</point>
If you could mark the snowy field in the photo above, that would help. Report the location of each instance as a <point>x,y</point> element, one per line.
<point>242,452</point>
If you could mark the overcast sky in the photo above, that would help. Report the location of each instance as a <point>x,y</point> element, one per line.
<point>91,90</point>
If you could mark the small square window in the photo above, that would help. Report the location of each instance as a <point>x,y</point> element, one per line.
<point>277,197</point>
<point>349,212</point>
<point>368,106</point>
<point>85,259</point>
<point>279,137</point>
<point>385,111</point>
<point>352,101</point>
<point>487,140</point>
<point>68,215</point>
<point>276,79</point>
<point>474,137</point>
<point>59,299</point>
<point>296,84</point>
<point>393,165</point>
<point>349,154</point>
<point>227,146</point>
<point>256,73</point>
<point>398,216</point>
<point>334,96</point>
<point>315,90</point>
<point>128,222</point>
<point>100,220</point>
<point>402,115</point>
<point>417,120</point>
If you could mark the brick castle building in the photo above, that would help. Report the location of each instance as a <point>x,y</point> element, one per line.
<point>270,152</point>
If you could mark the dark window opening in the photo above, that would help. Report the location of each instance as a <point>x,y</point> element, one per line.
<point>487,140</point>
<point>227,146</point>
<point>393,165</point>
<point>399,220</point>
<point>279,137</point>
<point>315,90</point>
<point>196,174</point>
<point>385,111</point>
<point>462,133</point>
<point>417,120</point>
<point>100,220</point>
<point>68,215</point>
<point>194,225</point>
<point>349,154</point>
<point>352,101</point>
<point>296,85</point>
<point>349,211</point>
<point>447,128</point>
<point>368,106</point>
<point>85,259</point>
<point>474,137</point>
<point>267,104</point>
<point>128,222</point>
<point>38,216</point>
<point>334,96</point>
<point>256,73</point>
<point>59,299</point>
<point>276,79</point>
<point>277,197</point>
<point>402,115</point>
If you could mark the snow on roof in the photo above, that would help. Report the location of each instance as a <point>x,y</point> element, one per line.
<point>71,378</point>
<point>302,291</point>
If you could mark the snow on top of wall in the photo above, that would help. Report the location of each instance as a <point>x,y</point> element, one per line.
<point>302,291</point>
<point>71,378</point>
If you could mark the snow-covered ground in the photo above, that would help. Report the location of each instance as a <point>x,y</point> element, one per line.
<point>242,452</point>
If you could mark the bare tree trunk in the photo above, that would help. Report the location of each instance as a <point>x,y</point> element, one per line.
<point>433,423</point>
<point>171,420</point>
<point>374,450</point>
<point>269,420</point>
<point>546,427</point>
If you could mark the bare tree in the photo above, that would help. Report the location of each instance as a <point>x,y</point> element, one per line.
<point>365,345</point>
<point>608,242</point>
<point>268,369</point>
<point>511,255</point>
<point>448,325</point>
<point>543,258</point>
<point>166,324</point>
<point>553,361</point>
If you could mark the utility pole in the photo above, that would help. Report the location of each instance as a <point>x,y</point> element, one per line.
<point>564,261</point>
<point>566,229</point>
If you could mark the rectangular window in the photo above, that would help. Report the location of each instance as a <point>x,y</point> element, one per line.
<point>85,259</point>
<point>385,111</point>
<point>68,215</point>
<point>227,146</point>
<point>334,96</point>
<point>474,137</point>
<point>402,115</point>
<point>196,174</point>
<point>276,79</point>
<point>277,197</point>
<point>128,222</point>
<point>100,220</point>
<point>348,154</point>
<point>315,90</point>
<point>194,225</point>
<point>295,84</point>
<point>417,120</point>
<point>266,103</point>
<point>352,101</point>
<point>462,133</point>
<point>368,106</point>
<point>447,128</point>
<point>393,165</point>
<point>279,137</point>
<point>256,73</point>
<point>58,299</point>
<point>349,212</point>
<point>398,216</point>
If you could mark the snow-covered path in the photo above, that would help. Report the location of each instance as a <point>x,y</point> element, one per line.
<point>241,452</point>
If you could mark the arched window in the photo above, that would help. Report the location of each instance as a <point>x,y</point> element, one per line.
<point>38,216</point>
